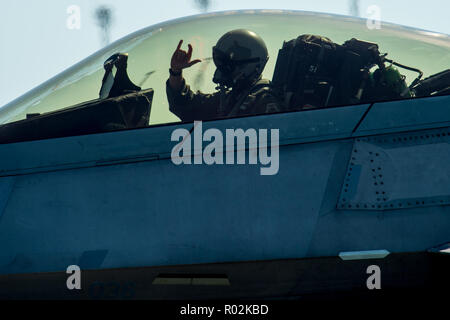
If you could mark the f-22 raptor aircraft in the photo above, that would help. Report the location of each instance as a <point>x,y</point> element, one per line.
<point>362,189</point>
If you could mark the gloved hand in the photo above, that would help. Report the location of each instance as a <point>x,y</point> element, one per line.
<point>182,59</point>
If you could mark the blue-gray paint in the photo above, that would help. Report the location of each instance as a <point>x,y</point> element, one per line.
<point>406,115</point>
<point>398,171</point>
<point>120,193</point>
<point>6,185</point>
<point>92,259</point>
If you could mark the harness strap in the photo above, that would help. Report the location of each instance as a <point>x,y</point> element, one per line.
<point>250,96</point>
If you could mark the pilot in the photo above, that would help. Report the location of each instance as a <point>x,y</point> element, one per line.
<point>240,57</point>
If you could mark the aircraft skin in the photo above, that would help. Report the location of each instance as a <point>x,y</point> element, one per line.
<point>351,178</point>
<point>116,200</point>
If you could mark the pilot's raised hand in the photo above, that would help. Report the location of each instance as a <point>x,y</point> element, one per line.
<point>182,59</point>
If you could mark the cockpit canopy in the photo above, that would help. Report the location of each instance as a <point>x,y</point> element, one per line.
<point>150,50</point>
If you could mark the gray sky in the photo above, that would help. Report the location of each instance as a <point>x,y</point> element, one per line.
<point>37,45</point>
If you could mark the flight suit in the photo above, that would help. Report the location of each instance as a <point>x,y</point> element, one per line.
<point>190,106</point>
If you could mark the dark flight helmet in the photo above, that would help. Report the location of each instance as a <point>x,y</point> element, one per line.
<point>240,57</point>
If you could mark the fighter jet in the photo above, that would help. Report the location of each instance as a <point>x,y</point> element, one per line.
<point>360,200</point>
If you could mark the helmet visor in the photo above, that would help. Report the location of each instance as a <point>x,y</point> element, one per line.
<point>223,61</point>
<point>226,64</point>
